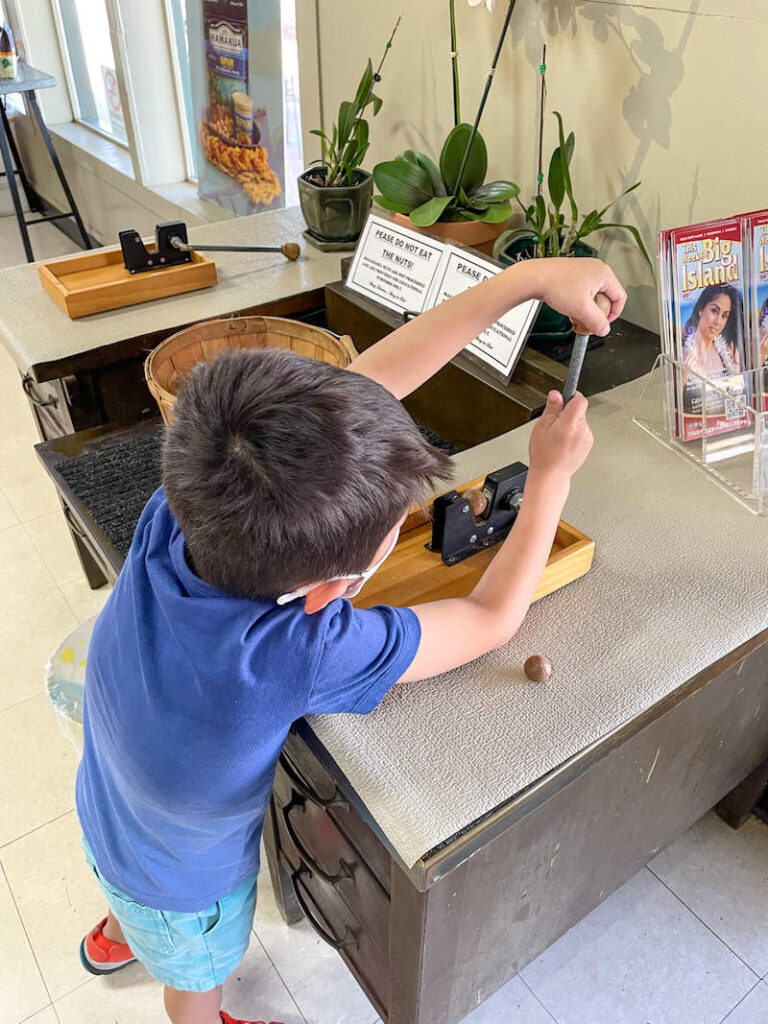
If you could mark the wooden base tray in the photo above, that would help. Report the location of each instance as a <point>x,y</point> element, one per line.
<point>414,575</point>
<point>97,281</point>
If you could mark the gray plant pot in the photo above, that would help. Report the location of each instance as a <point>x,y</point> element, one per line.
<point>335,214</point>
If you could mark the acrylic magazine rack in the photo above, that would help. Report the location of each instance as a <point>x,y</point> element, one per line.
<point>727,436</point>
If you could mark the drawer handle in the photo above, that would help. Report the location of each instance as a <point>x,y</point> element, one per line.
<point>347,941</point>
<point>299,784</point>
<point>74,525</point>
<point>344,869</point>
<point>26,383</point>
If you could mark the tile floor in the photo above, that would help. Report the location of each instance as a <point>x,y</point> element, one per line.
<point>683,942</point>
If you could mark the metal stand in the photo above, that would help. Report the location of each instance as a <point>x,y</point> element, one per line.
<point>13,166</point>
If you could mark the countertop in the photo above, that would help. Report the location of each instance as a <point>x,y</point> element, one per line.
<point>35,331</point>
<point>679,581</point>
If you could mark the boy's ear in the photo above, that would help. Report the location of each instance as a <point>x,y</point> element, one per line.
<point>323,594</point>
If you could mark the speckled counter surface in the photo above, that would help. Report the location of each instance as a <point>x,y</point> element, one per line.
<point>679,580</point>
<point>35,331</point>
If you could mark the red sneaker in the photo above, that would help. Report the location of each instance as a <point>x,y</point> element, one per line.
<point>226,1019</point>
<point>101,955</point>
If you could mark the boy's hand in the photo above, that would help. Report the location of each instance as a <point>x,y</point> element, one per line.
<point>561,439</point>
<point>570,287</point>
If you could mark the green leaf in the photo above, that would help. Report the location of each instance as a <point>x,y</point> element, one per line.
<point>426,214</point>
<point>590,221</point>
<point>361,132</point>
<point>555,179</point>
<point>364,88</point>
<point>377,103</point>
<point>347,113</point>
<point>403,182</point>
<point>540,218</point>
<point>423,161</point>
<point>624,193</point>
<point>318,131</point>
<point>511,235</point>
<point>496,213</point>
<point>500,242</point>
<point>565,160</point>
<point>638,240</point>
<point>570,142</point>
<point>434,174</point>
<point>387,204</point>
<point>453,153</point>
<point>493,191</point>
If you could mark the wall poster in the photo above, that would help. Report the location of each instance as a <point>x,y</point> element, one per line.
<point>236,79</point>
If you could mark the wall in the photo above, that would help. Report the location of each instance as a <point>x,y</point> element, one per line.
<point>671,92</point>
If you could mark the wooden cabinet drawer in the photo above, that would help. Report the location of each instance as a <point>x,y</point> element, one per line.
<point>334,922</point>
<point>303,764</point>
<point>49,407</point>
<point>309,837</point>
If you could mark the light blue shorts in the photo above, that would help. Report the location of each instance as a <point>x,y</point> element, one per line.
<point>192,952</point>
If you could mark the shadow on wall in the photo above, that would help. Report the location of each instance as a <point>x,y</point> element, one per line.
<point>646,108</point>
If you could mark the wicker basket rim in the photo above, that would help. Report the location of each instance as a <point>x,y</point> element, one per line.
<point>246,326</point>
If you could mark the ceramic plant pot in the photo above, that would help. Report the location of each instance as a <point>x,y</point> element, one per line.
<point>473,233</point>
<point>338,213</point>
<point>550,325</point>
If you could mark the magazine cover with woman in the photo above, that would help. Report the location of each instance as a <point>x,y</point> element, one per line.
<point>708,272</point>
<point>757,236</point>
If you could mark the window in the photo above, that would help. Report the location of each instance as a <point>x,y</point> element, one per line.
<point>177,21</point>
<point>294,157</point>
<point>90,60</point>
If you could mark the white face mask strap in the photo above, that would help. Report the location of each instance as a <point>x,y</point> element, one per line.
<point>362,576</point>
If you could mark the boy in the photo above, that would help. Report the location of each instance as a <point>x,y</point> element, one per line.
<point>285,484</point>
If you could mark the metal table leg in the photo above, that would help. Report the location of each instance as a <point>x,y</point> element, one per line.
<point>57,166</point>
<point>5,151</point>
<point>32,200</point>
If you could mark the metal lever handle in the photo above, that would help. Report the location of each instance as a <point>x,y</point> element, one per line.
<point>580,349</point>
<point>290,250</point>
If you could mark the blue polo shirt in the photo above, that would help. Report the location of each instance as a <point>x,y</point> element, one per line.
<point>189,696</point>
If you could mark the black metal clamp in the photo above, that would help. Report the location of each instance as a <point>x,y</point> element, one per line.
<point>172,248</point>
<point>462,526</point>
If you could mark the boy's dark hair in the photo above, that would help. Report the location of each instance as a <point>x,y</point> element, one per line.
<point>282,470</point>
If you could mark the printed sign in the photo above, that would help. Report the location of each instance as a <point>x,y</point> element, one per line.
<point>114,105</point>
<point>410,272</point>
<point>394,266</point>
<point>500,344</point>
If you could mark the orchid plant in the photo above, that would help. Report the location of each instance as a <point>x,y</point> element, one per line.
<point>414,185</point>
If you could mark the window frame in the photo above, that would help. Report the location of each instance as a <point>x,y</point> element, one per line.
<point>187,141</point>
<point>72,77</point>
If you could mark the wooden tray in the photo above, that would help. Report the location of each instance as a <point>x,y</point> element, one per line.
<point>414,575</point>
<point>96,281</point>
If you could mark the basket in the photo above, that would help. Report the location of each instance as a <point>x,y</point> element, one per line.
<point>174,357</point>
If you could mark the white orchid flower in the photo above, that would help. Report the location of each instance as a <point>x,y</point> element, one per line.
<point>488,3</point>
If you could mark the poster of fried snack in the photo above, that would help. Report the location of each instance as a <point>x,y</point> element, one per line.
<point>236,78</point>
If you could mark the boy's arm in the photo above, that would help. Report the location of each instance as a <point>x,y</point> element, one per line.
<point>459,630</point>
<point>403,360</point>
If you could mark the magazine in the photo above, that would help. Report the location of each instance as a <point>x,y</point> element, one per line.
<point>707,294</point>
<point>756,235</point>
<point>666,323</point>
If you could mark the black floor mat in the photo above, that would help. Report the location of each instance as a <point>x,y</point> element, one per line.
<point>115,482</point>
